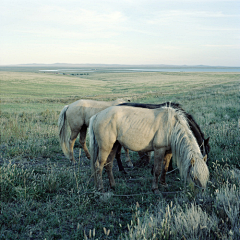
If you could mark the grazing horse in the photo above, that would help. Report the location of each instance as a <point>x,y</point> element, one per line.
<point>140,129</point>
<point>78,115</point>
<point>194,127</point>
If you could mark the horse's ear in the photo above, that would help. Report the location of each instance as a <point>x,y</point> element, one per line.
<point>205,158</point>
<point>192,161</point>
<point>206,141</point>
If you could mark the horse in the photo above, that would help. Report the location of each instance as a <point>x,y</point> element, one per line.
<point>140,129</point>
<point>194,127</point>
<point>78,115</point>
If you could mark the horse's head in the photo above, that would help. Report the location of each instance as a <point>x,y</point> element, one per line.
<point>198,172</point>
<point>120,100</point>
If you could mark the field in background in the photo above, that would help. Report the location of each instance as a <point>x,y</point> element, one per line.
<point>21,90</point>
<point>44,196</point>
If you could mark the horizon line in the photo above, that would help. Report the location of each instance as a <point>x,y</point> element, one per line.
<point>110,64</point>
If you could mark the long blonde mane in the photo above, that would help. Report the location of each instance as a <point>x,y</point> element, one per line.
<point>185,148</point>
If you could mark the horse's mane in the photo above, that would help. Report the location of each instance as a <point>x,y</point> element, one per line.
<point>184,146</point>
<point>190,118</point>
<point>166,104</point>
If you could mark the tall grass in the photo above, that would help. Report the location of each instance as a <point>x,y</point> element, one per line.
<point>43,196</point>
<point>213,216</point>
<point>29,135</point>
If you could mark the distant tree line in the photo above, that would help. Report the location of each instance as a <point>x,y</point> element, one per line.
<point>79,74</point>
<point>69,74</point>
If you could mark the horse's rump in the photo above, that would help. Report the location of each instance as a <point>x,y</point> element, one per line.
<point>77,116</point>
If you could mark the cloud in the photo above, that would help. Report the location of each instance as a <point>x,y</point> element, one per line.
<point>64,22</point>
<point>181,15</point>
<point>78,16</point>
<point>53,33</point>
<point>222,46</point>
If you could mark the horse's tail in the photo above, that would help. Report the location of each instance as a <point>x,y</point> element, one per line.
<point>62,126</point>
<point>93,146</point>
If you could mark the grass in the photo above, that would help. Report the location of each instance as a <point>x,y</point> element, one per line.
<point>43,196</point>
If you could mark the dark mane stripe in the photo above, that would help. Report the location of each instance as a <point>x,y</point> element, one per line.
<point>166,104</point>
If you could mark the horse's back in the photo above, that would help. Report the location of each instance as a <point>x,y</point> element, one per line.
<point>81,111</point>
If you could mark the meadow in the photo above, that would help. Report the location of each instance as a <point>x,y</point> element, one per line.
<point>44,196</point>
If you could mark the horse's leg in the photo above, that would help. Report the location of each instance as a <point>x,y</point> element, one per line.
<point>144,158</point>
<point>102,160</point>
<point>109,164</point>
<point>127,158</point>
<point>82,140</point>
<point>158,159</point>
<point>118,157</point>
<point>148,157</point>
<point>166,162</point>
<point>72,140</point>
<point>99,168</point>
<point>170,167</point>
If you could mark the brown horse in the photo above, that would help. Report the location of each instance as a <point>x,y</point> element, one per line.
<point>78,115</point>
<point>140,129</point>
<point>194,127</point>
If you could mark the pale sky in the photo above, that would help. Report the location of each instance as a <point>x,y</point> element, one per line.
<point>175,32</point>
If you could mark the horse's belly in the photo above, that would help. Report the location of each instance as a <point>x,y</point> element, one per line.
<point>136,143</point>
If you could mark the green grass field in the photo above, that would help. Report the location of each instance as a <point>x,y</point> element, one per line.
<point>43,196</point>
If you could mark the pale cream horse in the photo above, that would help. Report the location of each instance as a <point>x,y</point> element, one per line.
<point>163,130</point>
<point>77,115</point>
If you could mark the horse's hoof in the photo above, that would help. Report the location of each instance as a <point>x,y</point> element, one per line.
<point>164,184</point>
<point>156,191</point>
<point>142,164</point>
<point>129,164</point>
<point>106,196</point>
<point>73,162</point>
<point>123,171</point>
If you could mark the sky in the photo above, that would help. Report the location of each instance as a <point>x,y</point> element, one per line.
<point>176,32</point>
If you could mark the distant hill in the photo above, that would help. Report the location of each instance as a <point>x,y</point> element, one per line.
<point>100,65</point>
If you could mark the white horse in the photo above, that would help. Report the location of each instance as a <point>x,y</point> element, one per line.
<point>77,115</point>
<point>163,130</point>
